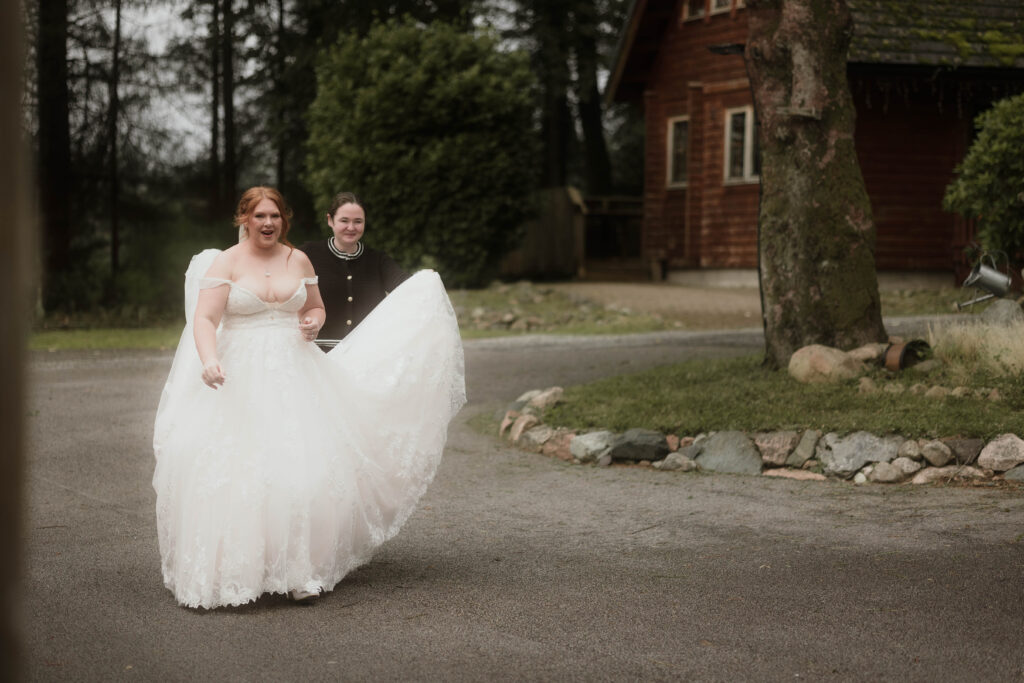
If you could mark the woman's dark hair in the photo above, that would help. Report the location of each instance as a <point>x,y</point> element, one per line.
<point>343,198</point>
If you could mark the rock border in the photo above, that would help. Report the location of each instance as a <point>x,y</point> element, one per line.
<point>860,457</point>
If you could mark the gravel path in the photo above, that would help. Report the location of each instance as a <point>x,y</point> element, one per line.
<point>701,308</point>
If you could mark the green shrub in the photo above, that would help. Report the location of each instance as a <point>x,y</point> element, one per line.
<point>432,128</point>
<point>989,187</point>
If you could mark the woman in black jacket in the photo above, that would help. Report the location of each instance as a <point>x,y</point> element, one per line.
<point>353,277</point>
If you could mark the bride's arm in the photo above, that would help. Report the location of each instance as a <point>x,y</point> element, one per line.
<point>209,310</point>
<point>312,315</point>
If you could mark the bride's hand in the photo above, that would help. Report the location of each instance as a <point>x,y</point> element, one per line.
<point>213,374</point>
<point>309,326</point>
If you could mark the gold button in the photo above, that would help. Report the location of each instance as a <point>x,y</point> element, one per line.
<point>350,298</point>
<point>348,322</point>
<point>349,277</point>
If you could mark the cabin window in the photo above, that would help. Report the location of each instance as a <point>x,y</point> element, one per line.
<point>695,9</point>
<point>742,153</point>
<point>678,145</point>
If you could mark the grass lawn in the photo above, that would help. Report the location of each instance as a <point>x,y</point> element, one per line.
<point>157,338</point>
<point>694,397</point>
<point>524,307</point>
<point>926,301</point>
<point>739,394</point>
<point>499,310</point>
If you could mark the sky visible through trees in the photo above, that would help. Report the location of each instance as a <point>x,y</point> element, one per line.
<point>148,117</point>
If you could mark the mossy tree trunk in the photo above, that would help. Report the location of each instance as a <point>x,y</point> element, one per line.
<point>816,233</point>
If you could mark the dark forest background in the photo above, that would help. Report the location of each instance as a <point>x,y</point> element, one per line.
<point>126,192</point>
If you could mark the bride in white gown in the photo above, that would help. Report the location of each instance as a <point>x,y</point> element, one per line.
<point>300,463</point>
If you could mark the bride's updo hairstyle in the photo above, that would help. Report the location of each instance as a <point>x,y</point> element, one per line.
<point>247,205</point>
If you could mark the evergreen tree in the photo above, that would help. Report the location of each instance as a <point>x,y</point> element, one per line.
<point>446,181</point>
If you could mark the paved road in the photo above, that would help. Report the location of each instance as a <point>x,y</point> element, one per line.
<point>517,567</point>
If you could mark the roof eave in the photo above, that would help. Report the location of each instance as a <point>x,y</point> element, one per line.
<point>625,46</point>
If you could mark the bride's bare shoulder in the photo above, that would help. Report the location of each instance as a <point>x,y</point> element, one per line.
<point>303,262</point>
<point>224,263</point>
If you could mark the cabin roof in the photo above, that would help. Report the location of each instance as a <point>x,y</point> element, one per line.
<point>936,33</point>
<point>980,33</point>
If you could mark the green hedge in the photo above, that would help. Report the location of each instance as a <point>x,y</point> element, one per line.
<point>989,187</point>
<point>433,129</point>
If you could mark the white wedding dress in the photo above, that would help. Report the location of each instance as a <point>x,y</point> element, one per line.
<point>289,475</point>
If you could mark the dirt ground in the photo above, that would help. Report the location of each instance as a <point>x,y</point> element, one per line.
<point>699,307</point>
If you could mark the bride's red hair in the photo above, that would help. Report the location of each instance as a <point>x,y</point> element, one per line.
<point>252,197</point>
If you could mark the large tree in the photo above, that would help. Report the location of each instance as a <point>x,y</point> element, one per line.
<point>54,141</point>
<point>816,233</point>
<point>597,170</point>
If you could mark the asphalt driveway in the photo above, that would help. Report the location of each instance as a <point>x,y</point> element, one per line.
<point>518,567</point>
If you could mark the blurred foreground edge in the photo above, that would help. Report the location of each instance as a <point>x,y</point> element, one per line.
<point>15,259</point>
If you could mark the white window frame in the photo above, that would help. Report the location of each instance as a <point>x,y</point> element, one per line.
<point>748,147</point>
<point>670,146</point>
<point>715,9</point>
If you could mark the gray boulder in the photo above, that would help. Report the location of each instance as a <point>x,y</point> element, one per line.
<point>676,461</point>
<point>693,450</point>
<point>936,453</point>
<point>804,450</point>
<point>545,399</point>
<point>869,353</point>
<point>965,451</point>
<point>522,423</point>
<point>535,437</point>
<point>823,364</point>
<point>591,446</point>
<point>931,475</point>
<point>843,456</point>
<point>910,449</point>
<point>1002,453</point>
<point>729,452</point>
<point>520,403</point>
<point>775,447</point>
<point>886,473</point>
<point>1002,312</point>
<point>907,465</point>
<point>639,444</point>
<point>1016,474</point>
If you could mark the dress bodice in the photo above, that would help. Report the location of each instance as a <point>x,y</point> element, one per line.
<point>245,308</point>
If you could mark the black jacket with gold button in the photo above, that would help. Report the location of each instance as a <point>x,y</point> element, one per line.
<point>351,288</point>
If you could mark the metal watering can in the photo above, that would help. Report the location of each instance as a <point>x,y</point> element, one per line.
<point>986,278</point>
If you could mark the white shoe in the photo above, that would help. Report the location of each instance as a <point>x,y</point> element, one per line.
<point>303,596</point>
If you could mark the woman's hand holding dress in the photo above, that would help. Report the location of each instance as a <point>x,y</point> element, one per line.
<point>309,328</point>
<point>209,310</point>
<point>312,316</point>
<point>213,374</point>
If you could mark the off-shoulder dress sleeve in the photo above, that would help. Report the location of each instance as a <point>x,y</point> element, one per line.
<point>211,282</point>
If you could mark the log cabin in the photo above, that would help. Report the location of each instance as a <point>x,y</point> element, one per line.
<point>919,72</point>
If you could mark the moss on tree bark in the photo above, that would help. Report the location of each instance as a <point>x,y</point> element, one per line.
<point>816,233</point>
